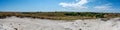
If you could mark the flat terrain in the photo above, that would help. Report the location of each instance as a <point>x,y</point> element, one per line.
<point>60,15</point>
<point>57,21</point>
<point>15,23</point>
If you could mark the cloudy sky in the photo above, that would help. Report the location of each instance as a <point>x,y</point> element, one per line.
<point>60,5</point>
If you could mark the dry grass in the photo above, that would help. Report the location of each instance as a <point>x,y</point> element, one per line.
<point>59,15</point>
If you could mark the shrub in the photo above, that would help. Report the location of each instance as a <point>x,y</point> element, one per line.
<point>71,14</point>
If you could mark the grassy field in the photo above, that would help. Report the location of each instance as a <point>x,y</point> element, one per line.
<point>60,15</point>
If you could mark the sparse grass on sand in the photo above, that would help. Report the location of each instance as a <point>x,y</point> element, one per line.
<point>59,15</point>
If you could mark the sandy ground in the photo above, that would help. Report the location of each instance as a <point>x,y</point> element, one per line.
<point>14,23</point>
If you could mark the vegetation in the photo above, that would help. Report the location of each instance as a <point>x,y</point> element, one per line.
<point>59,15</point>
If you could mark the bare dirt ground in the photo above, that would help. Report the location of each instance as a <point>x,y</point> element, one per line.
<point>14,23</point>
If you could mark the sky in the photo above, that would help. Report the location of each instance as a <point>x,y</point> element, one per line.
<point>60,5</point>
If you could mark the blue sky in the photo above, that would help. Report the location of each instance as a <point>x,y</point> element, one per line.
<point>60,5</point>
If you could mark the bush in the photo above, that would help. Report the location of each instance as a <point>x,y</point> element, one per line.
<point>72,14</point>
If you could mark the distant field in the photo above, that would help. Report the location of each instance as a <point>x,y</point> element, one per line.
<point>59,15</point>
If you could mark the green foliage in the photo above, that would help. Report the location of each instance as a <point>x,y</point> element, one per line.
<point>99,15</point>
<point>59,15</point>
<point>71,14</point>
<point>87,14</point>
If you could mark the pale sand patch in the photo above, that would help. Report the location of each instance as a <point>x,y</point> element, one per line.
<point>14,23</point>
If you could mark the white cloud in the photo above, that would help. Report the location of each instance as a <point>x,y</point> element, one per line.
<point>77,5</point>
<point>81,5</point>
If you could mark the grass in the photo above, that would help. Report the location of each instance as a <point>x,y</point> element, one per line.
<point>59,15</point>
